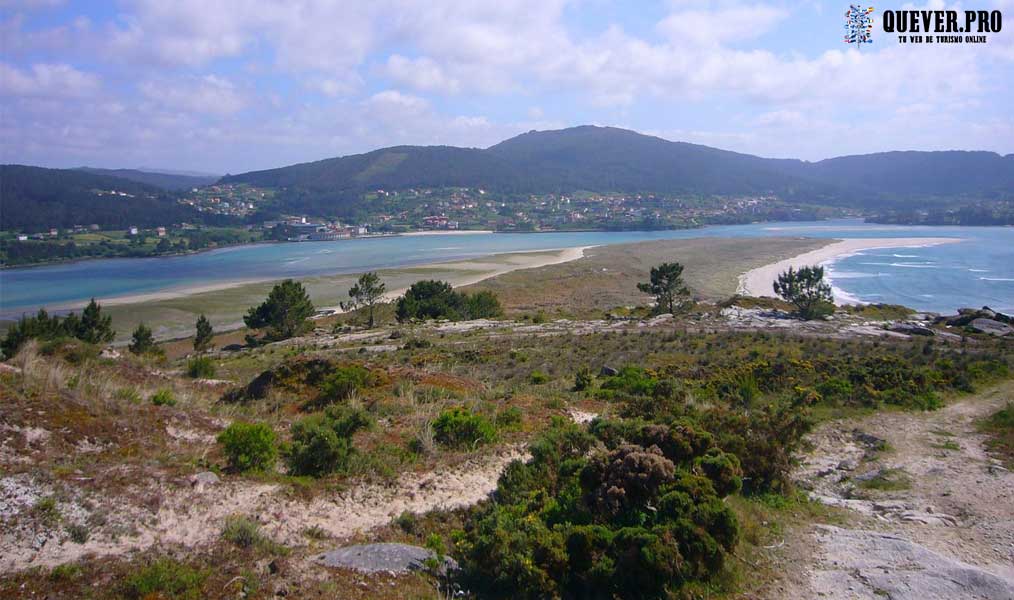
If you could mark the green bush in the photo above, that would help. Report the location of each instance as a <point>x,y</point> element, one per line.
<point>322,444</point>
<point>584,380</point>
<point>343,383</point>
<point>458,428</point>
<point>437,300</point>
<point>509,418</point>
<point>636,519</point>
<point>538,378</point>
<point>163,397</point>
<point>201,367</point>
<point>249,446</point>
<point>165,578</point>
<point>242,531</point>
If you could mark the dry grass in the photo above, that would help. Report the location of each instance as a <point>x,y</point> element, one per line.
<point>607,276</point>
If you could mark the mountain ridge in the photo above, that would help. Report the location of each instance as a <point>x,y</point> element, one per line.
<point>609,159</point>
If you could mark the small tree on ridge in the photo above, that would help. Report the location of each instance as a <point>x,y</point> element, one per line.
<point>806,290</point>
<point>367,291</point>
<point>667,285</point>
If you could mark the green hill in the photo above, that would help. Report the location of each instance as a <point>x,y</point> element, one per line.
<point>607,159</point>
<point>35,199</point>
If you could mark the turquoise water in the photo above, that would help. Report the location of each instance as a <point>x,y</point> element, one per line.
<point>978,271</point>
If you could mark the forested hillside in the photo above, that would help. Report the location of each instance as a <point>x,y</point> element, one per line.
<point>35,199</point>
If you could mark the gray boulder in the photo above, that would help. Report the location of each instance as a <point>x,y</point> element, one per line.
<point>911,329</point>
<point>984,325</point>
<point>608,372</point>
<point>374,558</point>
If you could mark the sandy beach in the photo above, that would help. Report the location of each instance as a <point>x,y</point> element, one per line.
<point>759,282</point>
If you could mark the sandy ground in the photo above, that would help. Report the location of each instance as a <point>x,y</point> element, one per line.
<point>481,269</point>
<point>191,515</point>
<point>758,282</point>
<point>948,534</point>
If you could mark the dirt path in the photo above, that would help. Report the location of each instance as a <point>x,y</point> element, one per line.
<point>932,512</point>
<point>191,516</point>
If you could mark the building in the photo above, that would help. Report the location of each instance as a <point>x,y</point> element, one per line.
<point>133,231</point>
<point>160,231</point>
<point>22,238</point>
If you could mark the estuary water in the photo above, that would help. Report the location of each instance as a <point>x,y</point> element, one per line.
<point>975,272</point>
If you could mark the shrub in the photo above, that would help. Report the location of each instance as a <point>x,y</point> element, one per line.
<point>163,397</point>
<point>458,427</point>
<point>165,578</point>
<point>638,519</point>
<point>343,383</point>
<point>78,533</point>
<point>249,446</point>
<point>483,305</point>
<point>242,532</point>
<point>538,378</point>
<point>142,342</point>
<point>201,367</point>
<point>509,418</point>
<point>583,380</point>
<point>322,444</point>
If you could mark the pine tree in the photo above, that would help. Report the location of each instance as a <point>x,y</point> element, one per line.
<point>366,292</point>
<point>284,313</point>
<point>667,285</point>
<point>93,327</point>
<point>205,333</point>
<point>142,342</point>
<point>806,290</point>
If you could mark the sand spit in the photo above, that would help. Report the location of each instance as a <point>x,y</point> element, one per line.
<point>758,282</point>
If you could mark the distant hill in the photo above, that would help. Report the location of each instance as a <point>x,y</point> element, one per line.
<point>607,159</point>
<point>35,199</point>
<point>161,179</point>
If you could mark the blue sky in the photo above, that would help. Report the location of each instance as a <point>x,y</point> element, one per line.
<point>235,85</point>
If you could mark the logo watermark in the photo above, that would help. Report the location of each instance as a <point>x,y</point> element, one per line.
<point>859,25</point>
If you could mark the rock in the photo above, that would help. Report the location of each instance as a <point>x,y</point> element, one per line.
<point>911,329</point>
<point>882,565</point>
<point>871,442</point>
<point>608,372</point>
<point>966,316</point>
<point>374,558</point>
<point>847,465</point>
<point>203,479</point>
<point>109,353</point>
<point>990,326</point>
<point>869,475</point>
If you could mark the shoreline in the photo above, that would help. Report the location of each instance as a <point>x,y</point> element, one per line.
<point>759,282</point>
<point>497,264</point>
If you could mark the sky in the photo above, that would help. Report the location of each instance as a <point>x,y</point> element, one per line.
<point>227,86</point>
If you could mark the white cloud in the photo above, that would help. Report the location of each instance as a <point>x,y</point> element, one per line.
<point>421,73</point>
<point>47,80</point>
<point>716,27</point>
<point>208,94</point>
